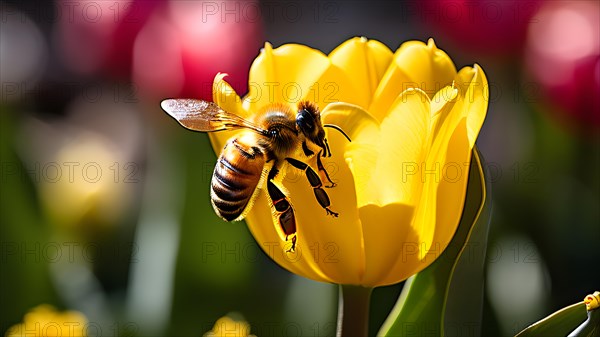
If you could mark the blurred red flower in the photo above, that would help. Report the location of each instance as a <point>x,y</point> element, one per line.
<point>172,48</point>
<point>486,26</point>
<point>563,57</point>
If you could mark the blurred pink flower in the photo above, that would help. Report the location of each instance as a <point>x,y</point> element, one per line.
<point>95,37</point>
<point>181,49</point>
<point>563,57</point>
<point>172,48</point>
<point>486,26</point>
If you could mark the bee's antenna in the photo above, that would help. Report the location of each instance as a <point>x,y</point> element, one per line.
<point>339,129</point>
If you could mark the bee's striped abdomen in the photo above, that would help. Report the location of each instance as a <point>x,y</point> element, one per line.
<point>235,179</point>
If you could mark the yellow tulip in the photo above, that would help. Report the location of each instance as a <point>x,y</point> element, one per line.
<point>401,181</point>
<point>227,326</point>
<point>45,320</point>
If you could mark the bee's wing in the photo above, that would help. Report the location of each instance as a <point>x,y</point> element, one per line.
<point>199,115</point>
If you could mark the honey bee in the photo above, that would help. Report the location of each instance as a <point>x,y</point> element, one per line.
<point>271,138</point>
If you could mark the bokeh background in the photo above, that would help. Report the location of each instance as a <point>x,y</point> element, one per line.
<point>104,198</point>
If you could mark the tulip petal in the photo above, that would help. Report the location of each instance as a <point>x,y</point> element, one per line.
<point>263,229</point>
<point>402,148</point>
<point>472,107</point>
<point>439,210</point>
<point>472,86</point>
<point>362,152</point>
<point>331,88</point>
<point>388,238</point>
<point>441,105</point>
<point>477,97</point>
<point>380,59</point>
<point>440,102</point>
<point>225,97</point>
<point>415,65</point>
<point>365,62</point>
<point>285,74</point>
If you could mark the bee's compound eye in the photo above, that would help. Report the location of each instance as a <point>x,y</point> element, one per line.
<point>308,125</point>
<point>273,133</point>
<point>305,121</point>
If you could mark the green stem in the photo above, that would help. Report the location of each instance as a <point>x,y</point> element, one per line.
<point>353,311</point>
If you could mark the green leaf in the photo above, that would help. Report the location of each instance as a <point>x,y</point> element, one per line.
<point>446,298</point>
<point>589,328</point>
<point>559,323</point>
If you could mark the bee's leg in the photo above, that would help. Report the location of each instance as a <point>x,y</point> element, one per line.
<point>307,152</point>
<point>322,169</point>
<point>315,182</point>
<point>327,149</point>
<point>283,208</point>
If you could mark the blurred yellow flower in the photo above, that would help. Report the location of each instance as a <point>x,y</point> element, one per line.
<point>228,327</point>
<point>71,201</point>
<point>401,182</point>
<point>44,320</point>
<point>84,165</point>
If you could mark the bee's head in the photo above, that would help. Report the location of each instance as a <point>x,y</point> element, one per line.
<point>308,122</point>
